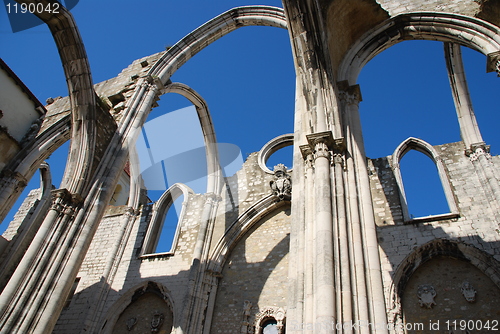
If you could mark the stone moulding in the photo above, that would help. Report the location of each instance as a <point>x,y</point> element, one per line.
<point>271,147</point>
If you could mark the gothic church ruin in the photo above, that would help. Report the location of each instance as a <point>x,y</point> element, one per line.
<point>328,246</point>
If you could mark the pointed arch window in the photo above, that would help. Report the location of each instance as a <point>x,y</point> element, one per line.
<point>427,149</point>
<point>161,224</point>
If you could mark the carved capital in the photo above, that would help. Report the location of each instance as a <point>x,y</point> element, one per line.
<point>307,154</point>
<point>338,159</point>
<point>65,202</point>
<point>476,150</point>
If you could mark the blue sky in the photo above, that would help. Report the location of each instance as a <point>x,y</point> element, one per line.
<point>247,77</point>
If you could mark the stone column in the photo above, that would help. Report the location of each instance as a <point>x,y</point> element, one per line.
<point>368,295</point>
<point>309,250</point>
<point>44,257</point>
<point>344,290</point>
<point>469,129</point>
<point>324,290</point>
<point>475,147</point>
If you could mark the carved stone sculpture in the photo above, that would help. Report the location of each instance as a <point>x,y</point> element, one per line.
<point>282,185</point>
<point>426,294</point>
<point>469,292</point>
<point>156,321</point>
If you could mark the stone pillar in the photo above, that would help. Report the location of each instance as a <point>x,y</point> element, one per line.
<point>324,290</point>
<point>475,147</point>
<point>309,250</point>
<point>343,285</point>
<point>469,129</point>
<point>368,297</point>
<point>25,295</point>
<point>200,280</point>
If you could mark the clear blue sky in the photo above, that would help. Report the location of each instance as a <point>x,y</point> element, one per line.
<point>248,79</point>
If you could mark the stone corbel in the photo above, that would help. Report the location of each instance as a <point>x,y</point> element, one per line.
<point>493,62</point>
<point>351,95</point>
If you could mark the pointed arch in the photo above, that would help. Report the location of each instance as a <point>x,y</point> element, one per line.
<point>423,147</point>
<point>130,296</point>
<point>160,209</point>
<point>483,261</point>
<point>472,32</point>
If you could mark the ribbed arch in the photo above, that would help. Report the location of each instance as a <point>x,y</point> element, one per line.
<point>446,27</point>
<point>157,81</point>
<point>427,149</point>
<point>211,31</point>
<point>26,162</point>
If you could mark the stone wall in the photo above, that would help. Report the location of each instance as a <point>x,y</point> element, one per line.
<point>476,225</point>
<point>255,272</point>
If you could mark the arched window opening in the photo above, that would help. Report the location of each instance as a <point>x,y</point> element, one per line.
<point>269,326</point>
<point>57,164</point>
<point>423,189</point>
<point>166,220</point>
<point>169,227</point>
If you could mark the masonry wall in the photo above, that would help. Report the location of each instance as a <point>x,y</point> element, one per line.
<point>255,272</point>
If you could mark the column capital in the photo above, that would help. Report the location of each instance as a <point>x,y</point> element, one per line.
<point>322,144</point>
<point>307,155</point>
<point>64,201</point>
<point>476,150</point>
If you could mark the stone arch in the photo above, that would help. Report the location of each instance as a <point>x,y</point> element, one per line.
<point>26,162</point>
<point>160,209</point>
<point>209,32</point>
<point>427,149</point>
<point>157,80</point>
<point>246,232</point>
<point>239,227</point>
<point>214,171</point>
<point>446,27</point>
<point>438,247</point>
<point>132,295</point>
